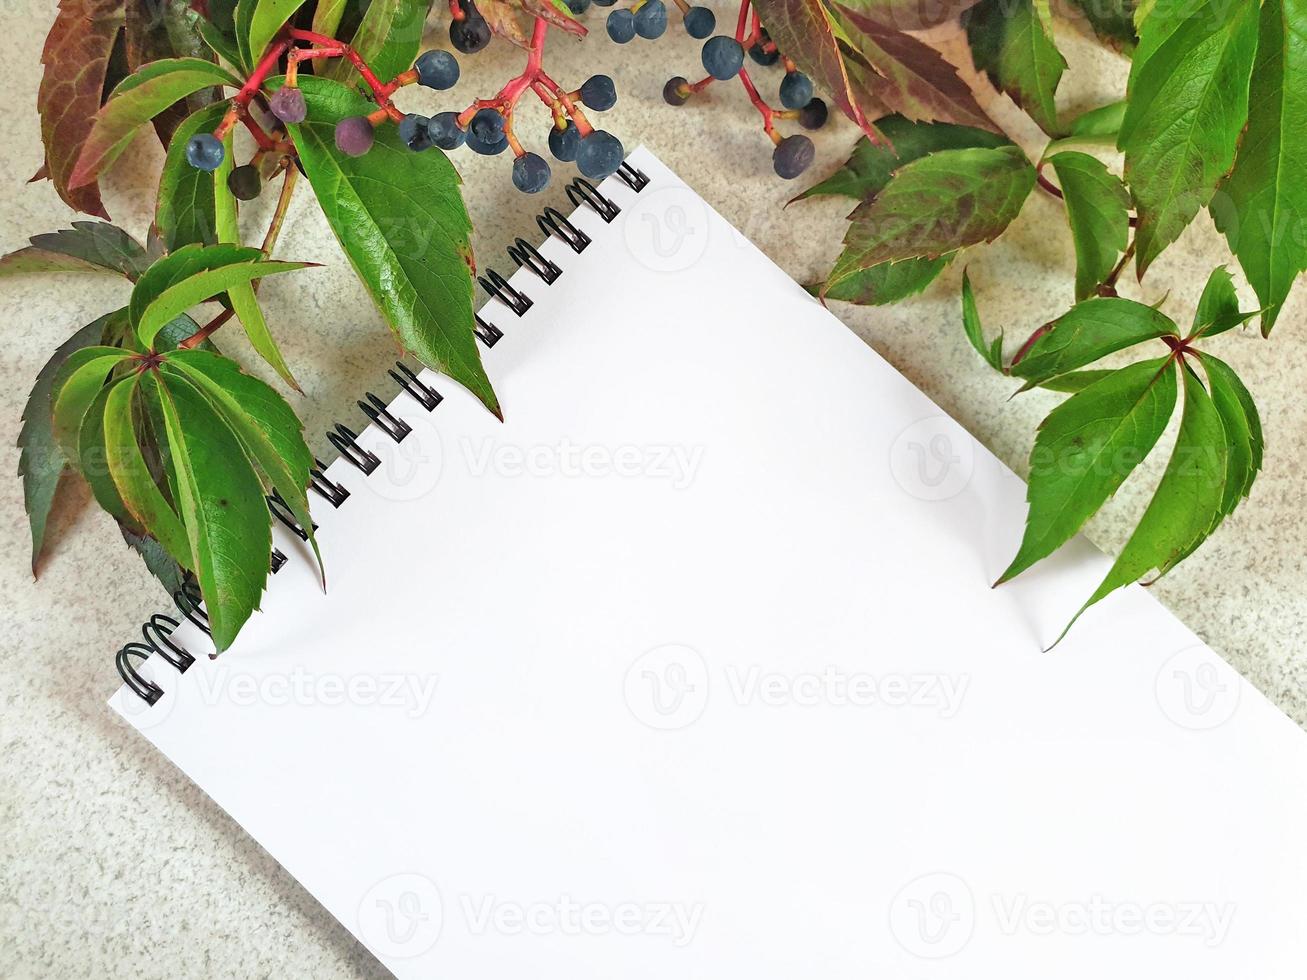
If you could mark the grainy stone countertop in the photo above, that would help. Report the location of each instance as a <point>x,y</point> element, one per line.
<point>113,865</point>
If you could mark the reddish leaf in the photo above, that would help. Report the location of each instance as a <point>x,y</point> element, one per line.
<point>502,17</point>
<point>911,15</point>
<point>803,31</point>
<point>76,56</point>
<point>911,77</point>
<point>556,13</point>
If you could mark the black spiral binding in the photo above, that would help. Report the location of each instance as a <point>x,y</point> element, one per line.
<point>552,223</point>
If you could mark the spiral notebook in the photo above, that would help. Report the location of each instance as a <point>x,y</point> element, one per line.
<point>692,669</point>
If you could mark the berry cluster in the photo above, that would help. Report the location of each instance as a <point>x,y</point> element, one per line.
<point>485,127</point>
<point>723,59</point>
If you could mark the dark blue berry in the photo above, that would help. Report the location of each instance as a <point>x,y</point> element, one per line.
<point>244,183</point>
<point>472,33</point>
<point>599,155</point>
<point>651,19</point>
<point>578,7</point>
<point>796,90</point>
<point>700,22</point>
<point>621,26</point>
<point>287,104</point>
<point>604,3</point>
<point>487,125</point>
<point>530,173</point>
<point>437,69</point>
<point>792,156</point>
<point>413,132</point>
<point>723,57</point>
<point>813,115</point>
<point>486,145</point>
<point>763,51</point>
<point>563,143</point>
<point>443,130</point>
<point>599,92</point>
<point>354,135</point>
<point>676,91</point>
<point>204,151</point>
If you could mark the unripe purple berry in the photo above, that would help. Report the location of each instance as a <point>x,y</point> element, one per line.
<point>354,135</point>
<point>287,104</point>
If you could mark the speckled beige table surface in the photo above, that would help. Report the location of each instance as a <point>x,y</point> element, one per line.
<point>112,864</point>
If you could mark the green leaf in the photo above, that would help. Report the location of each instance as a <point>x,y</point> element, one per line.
<point>179,265</point>
<point>871,165</point>
<point>991,352</point>
<point>1086,448</point>
<point>132,478</point>
<point>243,300</point>
<point>159,563</point>
<point>265,19</point>
<point>92,459</point>
<point>400,219</point>
<point>1012,42</point>
<point>138,99</point>
<point>1103,123</point>
<point>936,205</point>
<point>1263,200</point>
<point>908,75</point>
<point>79,379</point>
<point>1075,380</point>
<point>1089,330</point>
<point>89,246</point>
<point>1188,102</point>
<point>1098,210</point>
<point>1187,501</point>
<point>888,282</point>
<point>41,462</point>
<point>1112,21</point>
<point>1243,431</point>
<point>803,29</point>
<point>388,39</point>
<point>223,45</point>
<point>1218,307</point>
<point>260,418</point>
<point>327,15</point>
<point>201,286</point>
<point>220,499</point>
<point>184,212</point>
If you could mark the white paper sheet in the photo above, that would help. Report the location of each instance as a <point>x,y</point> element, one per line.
<point>692,669</point>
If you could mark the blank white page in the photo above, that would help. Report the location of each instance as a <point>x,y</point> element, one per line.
<point>692,669</point>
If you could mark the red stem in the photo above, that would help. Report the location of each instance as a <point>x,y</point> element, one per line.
<point>381,91</point>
